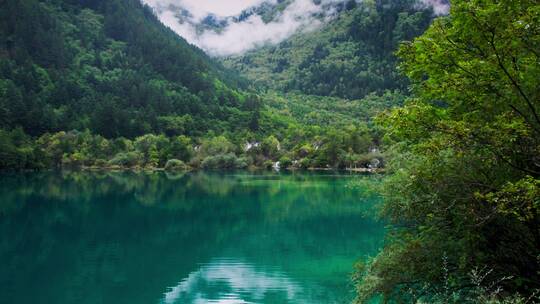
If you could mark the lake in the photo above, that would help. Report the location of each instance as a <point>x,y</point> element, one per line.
<point>126,237</point>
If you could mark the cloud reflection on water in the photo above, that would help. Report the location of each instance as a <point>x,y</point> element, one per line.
<point>243,281</point>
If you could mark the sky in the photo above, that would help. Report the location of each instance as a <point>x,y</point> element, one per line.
<point>239,37</point>
<point>201,8</point>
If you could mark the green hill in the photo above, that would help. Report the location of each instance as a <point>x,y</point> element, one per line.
<point>110,67</point>
<point>350,57</point>
<point>105,83</point>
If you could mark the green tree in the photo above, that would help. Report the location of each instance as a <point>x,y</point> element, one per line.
<point>180,148</point>
<point>270,147</point>
<point>464,192</point>
<point>216,146</point>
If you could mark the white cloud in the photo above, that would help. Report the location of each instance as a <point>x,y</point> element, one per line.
<point>440,7</point>
<point>241,36</point>
<point>238,37</point>
<point>201,8</point>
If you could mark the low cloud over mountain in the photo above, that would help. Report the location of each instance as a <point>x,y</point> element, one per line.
<point>225,28</point>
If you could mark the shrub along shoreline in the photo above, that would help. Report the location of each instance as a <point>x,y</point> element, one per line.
<point>252,168</point>
<point>75,149</point>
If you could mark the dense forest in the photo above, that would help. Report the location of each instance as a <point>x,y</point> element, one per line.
<point>350,57</point>
<point>105,84</point>
<point>109,67</point>
<point>448,105</point>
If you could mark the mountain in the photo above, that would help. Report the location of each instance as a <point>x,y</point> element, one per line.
<point>111,67</point>
<point>350,57</point>
<point>101,83</point>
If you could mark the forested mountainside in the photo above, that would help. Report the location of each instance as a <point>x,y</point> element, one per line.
<point>110,67</point>
<point>350,57</point>
<point>105,83</point>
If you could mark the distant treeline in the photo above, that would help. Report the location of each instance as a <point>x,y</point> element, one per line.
<point>350,148</point>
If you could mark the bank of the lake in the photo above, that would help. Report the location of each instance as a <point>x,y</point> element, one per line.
<point>250,169</point>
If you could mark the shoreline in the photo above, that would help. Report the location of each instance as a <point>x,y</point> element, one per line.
<point>162,169</point>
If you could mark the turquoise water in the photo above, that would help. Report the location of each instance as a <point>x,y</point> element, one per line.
<point>75,237</point>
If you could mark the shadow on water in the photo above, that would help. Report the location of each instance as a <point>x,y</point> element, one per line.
<point>125,237</point>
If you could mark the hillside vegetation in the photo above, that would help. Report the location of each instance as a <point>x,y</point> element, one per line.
<point>105,84</point>
<point>350,57</point>
<point>110,67</point>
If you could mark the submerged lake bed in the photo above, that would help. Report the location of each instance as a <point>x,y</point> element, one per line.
<point>155,237</point>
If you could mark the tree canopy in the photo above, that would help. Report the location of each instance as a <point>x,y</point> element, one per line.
<point>110,67</point>
<point>465,193</point>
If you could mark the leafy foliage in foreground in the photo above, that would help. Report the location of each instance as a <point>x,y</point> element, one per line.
<point>465,192</point>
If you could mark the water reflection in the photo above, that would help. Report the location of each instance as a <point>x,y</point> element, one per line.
<point>124,237</point>
<point>229,280</point>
